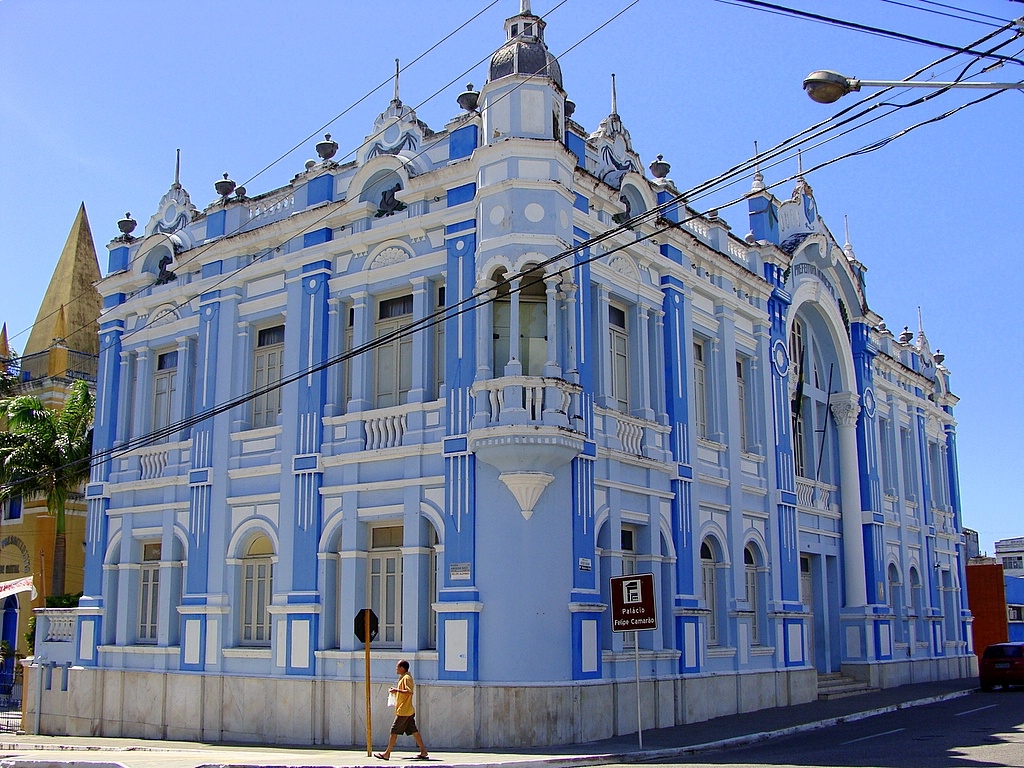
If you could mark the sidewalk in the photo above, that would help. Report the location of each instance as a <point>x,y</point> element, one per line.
<point>665,743</point>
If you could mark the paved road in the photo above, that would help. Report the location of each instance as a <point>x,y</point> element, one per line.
<point>980,730</point>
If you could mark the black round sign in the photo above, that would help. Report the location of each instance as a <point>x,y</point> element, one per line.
<point>360,625</point>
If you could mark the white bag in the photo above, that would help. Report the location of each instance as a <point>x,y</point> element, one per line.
<point>392,699</point>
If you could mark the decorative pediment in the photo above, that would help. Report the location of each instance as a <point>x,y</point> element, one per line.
<point>174,213</point>
<point>615,155</point>
<point>396,131</point>
<point>390,255</point>
<point>798,218</point>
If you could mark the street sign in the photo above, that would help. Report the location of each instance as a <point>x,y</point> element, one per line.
<point>366,623</point>
<point>633,604</point>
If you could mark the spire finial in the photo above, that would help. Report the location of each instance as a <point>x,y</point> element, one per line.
<point>920,322</point>
<point>397,68</point>
<point>799,162</point>
<point>615,101</point>
<point>524,7</point>
<point>758,184</point>
<point>177,168</point>
<point>846,222</point>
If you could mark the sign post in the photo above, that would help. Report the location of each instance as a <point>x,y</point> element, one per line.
<point>366,626</point>
<point>634,608</point>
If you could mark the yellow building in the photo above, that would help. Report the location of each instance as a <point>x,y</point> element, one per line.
<point>63,345</point>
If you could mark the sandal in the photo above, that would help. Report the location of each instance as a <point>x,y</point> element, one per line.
<point>381,756</point>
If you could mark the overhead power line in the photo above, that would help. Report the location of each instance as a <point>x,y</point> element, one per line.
<point>775,8</point>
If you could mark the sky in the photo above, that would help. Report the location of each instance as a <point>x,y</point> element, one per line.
<point>95,97</point>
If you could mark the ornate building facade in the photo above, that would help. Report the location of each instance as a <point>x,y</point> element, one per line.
<point>465,379</point>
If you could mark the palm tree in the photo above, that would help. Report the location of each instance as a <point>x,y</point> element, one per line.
<point>45,454</point>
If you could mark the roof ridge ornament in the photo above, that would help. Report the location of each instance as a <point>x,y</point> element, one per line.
<point>615,100</point>
<point>396,100</point>
<point>758,183</point>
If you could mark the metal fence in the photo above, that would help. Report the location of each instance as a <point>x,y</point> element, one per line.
<point>11,679</point>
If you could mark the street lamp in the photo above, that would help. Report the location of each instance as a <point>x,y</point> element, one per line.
<point>826,86</point>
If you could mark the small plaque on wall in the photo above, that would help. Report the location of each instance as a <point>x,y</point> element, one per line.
<point>458,572</point>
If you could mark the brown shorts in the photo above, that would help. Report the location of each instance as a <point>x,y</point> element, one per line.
<point>404,725</point>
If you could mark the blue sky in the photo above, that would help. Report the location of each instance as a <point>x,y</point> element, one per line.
<point>95,97</point>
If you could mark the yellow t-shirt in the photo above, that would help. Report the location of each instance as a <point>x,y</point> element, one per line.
<point>403,704</point>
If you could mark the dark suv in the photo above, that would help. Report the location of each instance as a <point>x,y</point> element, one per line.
<point>1002,664</point>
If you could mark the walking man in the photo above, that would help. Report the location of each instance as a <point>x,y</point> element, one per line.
<point>405,715</point>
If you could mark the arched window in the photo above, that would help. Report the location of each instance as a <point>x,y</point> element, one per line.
<point>710,589</point>
<point>257,591</point>
<point>532,349</point>
<point>896,604</point>
<point>752,580</point>
<point>917,603</point>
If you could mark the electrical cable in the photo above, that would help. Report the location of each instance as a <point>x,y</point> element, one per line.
<point>472,302</point>
<point>762,5</point>
<point>489,295</point>
<point>241,229</point>
<point>352,106</point>
<point>942,13</point>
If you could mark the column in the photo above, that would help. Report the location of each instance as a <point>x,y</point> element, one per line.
<point>336,335</point>
<point>361,365</point>
<point>845,407</point>
<point>551,367</point>
<point>485,329</point>
<point>420,342</point>
<point>513,367</point>
<point>571,367</point>
<point>644,378</point>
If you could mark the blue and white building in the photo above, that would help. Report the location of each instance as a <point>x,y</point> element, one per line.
<point>395,383</point>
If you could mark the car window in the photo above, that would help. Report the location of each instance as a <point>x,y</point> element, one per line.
<point>1004,651</point>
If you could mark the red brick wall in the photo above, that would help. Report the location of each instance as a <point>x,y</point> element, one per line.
<point>986,597</point>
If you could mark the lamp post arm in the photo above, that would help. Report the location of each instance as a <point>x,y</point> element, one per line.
<point>856,83</point>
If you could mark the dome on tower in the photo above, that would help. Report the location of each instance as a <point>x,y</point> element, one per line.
<point>525,52</point>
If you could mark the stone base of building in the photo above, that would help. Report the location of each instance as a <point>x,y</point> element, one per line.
<point>889,674</point>
<point>196,707</point>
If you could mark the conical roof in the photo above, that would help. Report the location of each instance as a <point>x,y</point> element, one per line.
<point>73,287</point>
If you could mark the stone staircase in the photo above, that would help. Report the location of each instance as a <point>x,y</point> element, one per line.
<point>836,685</point>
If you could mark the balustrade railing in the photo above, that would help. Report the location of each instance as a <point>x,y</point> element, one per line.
<point>152,461</point>
<point>385,430</point>
<point>630,432</point>
<point>530,394</point>
<point>56,625</point>
<point>271,209</point>
<point>813,495</point>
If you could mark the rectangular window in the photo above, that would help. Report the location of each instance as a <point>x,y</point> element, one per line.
<point>165,382</point>
<point>710,586</point>
<point>887,459</point>
<point>257,581</point>
<point>149,591</point>
<point>384,582</point>
<point>1013,562</point>
<point>393,358</point>
<point>268,367</point>
<point>910,465</point>
<point>700,397</point>
<point>619,344</point>
<point>799,447</point>
<point>751,585</point>
<point>439,348</point>
<point>741,387</point>
<point>627,538</point>
<point>1015,613</point>
<point>346,365</point>
<point>12,508</point>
